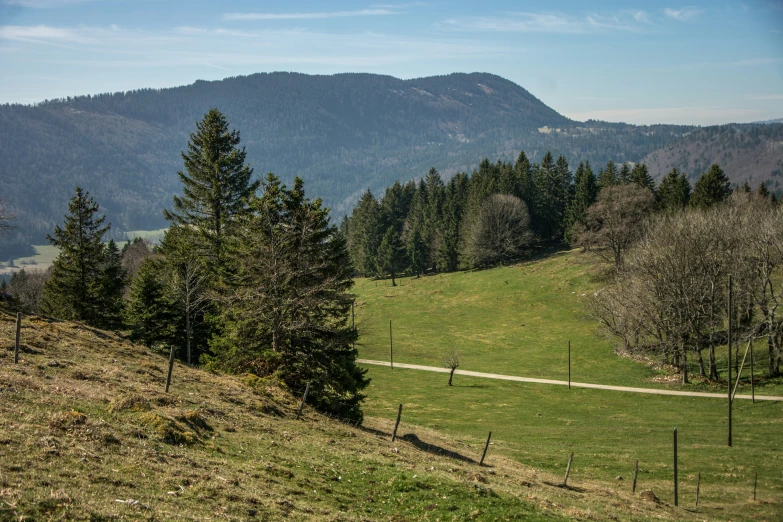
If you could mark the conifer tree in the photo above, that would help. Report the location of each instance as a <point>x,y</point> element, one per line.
<point>674,192</point>
<point>216,185</point>
<point>365,231</point>
<point>625,174</point>
<point>391,255</point>
<point>764,192</point>
<point>712,187</point>
<point>552,195</point>
<point>150,312</point>
<point>74,290</point>
<point>745,187</point>
<point>641,176</point>
<point>112,284</point>
<point>527,186</point>
<point>585,194</point>
<point>417,253</point>
<point>608,177</point>
<point>287,303</point>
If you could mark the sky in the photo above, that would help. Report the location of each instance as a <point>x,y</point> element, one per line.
<point>702,63</point>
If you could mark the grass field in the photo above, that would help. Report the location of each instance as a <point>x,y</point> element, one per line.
<point>517,320</point>
<point>87,433</point>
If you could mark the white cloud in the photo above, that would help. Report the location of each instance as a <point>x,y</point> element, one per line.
<point>683,14</point>
<point>308,16</point>
<point>549,22</point>
<point>39,33</point>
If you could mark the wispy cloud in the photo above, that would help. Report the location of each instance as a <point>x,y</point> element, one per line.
<point>43,4</point>
<point>683,14</point>
<point>550,22</point>
<point>765,97</point>
<point>40,34</point>
<point>309,16</point>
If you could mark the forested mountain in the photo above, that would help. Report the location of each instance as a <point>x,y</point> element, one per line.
<point>342,134</point>
<point>751,152</point>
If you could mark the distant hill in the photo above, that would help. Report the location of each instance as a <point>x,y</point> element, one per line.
<point>752,152</point>
<point>343,134</point>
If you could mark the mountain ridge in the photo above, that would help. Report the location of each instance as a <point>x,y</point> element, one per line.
<point>342,133</point>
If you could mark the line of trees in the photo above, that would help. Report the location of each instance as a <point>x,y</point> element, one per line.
<point>670,294</point>
<point>251,277</point>
<point>493,215</point>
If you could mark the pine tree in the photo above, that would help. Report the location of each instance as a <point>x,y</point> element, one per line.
<point>745,187</point>
<point>763,191</point>
<point>74,290</point>
<point>112,284</point>
<point>585,194</point>
<point>417,253</point>
<point>365,230</point>
<point>150,312</point>
<point>608,177</point>
<point>641,176</point>
<point>552,195</point>
<point>288,301</point>
<point>674,192</point>
<point>625,174</point>
<point>448,250</point>
<point>216,186</point>
<point>712,187</point>
<point>391,255</point>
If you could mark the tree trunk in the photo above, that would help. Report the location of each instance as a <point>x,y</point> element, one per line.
<point>451,375</point>
<point>701,364</point>
<point>393,283</point>
<point>684,365</point>
<point>713,364</point>
<point>772,355</point>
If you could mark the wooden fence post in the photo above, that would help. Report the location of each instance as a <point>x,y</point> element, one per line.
<point>569,364</point>
<point>568,469</point>
<point>171,367</point>
<point>755,481</point>
<point>397,424</point>
<point>698,486</point>
<point>486,447</point>
<point>635,472</point>
<point>304,399</point>
<point>676,498</point>
<point>18,337</point>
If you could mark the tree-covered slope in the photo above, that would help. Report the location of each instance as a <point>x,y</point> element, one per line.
<point>342,133</point>
<point>751,152</point>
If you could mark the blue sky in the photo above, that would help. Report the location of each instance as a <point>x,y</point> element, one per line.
<point>640,62</point>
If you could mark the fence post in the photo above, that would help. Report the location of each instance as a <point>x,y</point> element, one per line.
<point>171,367</point>
<point>568,469</point>
<point>755,480</point>
<point>698,486</point>
<point>635,472</point>
<point>397,424</point>
<point>676,499</point>
<point>304,399</point>
<point>569,364</point>
<point>486,447</point>
<point>18,337</point>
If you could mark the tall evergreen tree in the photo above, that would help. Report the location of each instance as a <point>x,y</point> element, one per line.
<point>585,194</point>
<point>74,290</point>
<point>112,284</point>
<point>448,251</point>
<point>625,174</point>
<point>674,192</point>
<point>287,303</point>
<point>712,187</point>
<point>608,177</point>
<point>150,313</point>
<point>641,176</point>
<point>365,231</point>
<point>216,185</point>
<point>417,253</point>
<point>391,255</point>
<point>552,195</point>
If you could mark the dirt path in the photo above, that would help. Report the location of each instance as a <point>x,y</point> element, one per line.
<point>652,391</point>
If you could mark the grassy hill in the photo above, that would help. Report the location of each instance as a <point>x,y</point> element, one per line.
<point>86,433</point>
<point>517,320</point>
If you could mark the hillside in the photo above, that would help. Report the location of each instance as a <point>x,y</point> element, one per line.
<point>752,153</point>
<point>342,133</point>
<point>87,433</point>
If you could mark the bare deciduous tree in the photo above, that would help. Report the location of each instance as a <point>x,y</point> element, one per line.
<point>615,221</point>
<point>133,254</point>
<point>26,287</point>
<point>451,360</point>
<point>501,232</point>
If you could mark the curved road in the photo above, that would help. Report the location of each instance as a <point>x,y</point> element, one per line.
<point>565,383</point>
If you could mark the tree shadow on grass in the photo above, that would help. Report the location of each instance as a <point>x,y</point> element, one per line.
<point>412,438</point>
<point>575,489</point>
<point>470,385</point>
